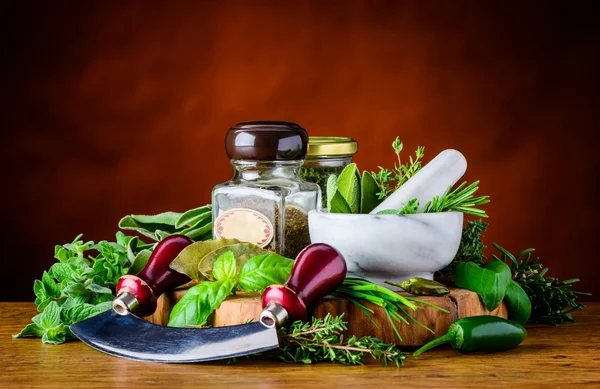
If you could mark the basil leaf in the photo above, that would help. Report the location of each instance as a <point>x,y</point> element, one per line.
<point>241,251</point>
<point>264,270</point>
<point>489,282</point>
<point>517,303</point>
<point>225,266</point>
<point>349,186</point>
<point>368,193</point>
<point>199,302</point>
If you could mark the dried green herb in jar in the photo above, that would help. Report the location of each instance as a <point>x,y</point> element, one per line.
<point>319,176</point>
<point>326,155</point>
<point>296,235</point>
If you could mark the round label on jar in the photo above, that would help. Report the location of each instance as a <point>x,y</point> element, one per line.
<point>246,225</point>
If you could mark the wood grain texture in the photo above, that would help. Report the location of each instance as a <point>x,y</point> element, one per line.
<point>246,307</point>
<point>550,357</point>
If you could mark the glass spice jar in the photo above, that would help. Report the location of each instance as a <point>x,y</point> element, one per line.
<point>327,155</point>
<point>266,203</point>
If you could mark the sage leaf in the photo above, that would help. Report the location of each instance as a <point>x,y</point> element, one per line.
<point>196,224</point>
<point>264,270</point>
<point>147,225</point>
<point>131,248</point>
<point>140,262</point>
<point>349,186</point>
<point>190,217</point>
<point>160,235</point>
<point>338,204</point>
<point>225,266</point>
<point>368,193</point>
<point>188,260</point>
<point>332,188</point>
<point>199,302</point>
<point>489,282</point>
<point>241,251</point>
<point>200,233</point>
<point>517,303</point>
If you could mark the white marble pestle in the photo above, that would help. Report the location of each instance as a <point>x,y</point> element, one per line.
<point>432,180</point>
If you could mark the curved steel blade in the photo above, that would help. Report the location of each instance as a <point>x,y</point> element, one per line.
<point>131,337</point>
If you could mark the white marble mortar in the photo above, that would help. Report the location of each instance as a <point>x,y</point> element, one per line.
<point>390,247</point>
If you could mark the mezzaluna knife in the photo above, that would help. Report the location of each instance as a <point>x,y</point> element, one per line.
<point>318,270</point>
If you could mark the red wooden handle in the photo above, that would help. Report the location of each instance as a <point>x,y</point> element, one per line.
<point>157,276</point>
<point>318,270</point>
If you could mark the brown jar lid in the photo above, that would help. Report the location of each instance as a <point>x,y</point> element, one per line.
<point>266,141</point>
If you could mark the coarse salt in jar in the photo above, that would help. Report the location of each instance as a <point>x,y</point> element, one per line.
<point>266,203</point>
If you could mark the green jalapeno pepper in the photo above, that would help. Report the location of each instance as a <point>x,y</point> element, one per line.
<point>422,287</point>
<point>480,333</point>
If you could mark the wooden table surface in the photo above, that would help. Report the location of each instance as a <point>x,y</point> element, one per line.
<point>551,357</point>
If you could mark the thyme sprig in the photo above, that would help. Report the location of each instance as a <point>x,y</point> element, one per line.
<point>322,340</point>
<point>552,300</point>
<point>388,180</point>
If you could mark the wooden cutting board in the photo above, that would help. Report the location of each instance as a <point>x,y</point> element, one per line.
<point>247,306</point>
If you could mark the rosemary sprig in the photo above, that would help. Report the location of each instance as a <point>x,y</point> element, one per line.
<point>322,340</point>
<point>460,199</point>
<point>552,300</point>
<point>388,180</point>
<point>395,306</point>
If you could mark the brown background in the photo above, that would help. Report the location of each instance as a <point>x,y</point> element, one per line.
<point>121,107</point>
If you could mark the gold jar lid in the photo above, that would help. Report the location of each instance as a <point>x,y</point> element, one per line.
<point>320,146</point>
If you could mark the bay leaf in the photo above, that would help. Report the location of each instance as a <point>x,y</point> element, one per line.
<point>189,258</point>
